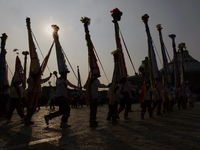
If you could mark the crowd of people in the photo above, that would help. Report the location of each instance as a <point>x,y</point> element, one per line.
<point>160,99</point>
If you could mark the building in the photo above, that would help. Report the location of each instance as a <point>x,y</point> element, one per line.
<point>191,67</point>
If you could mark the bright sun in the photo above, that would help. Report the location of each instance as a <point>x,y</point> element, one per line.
<point>49,30</point>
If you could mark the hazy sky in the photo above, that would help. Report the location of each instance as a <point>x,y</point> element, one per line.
<point>180,17</point>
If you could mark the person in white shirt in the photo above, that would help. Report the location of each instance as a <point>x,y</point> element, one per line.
<point>16,94</point>
<point>125,102</point>
<point>61,99</point>
<point>94,85</point>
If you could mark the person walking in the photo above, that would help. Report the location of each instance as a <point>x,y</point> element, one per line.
<point>61,99</point>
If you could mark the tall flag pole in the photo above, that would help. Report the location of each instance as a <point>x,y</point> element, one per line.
<point>34,62</point>
<point>62,67</point>
<point>25,53</point>
<point>116,14</point>
<point>176,71</point>
<point>3,74</point>
<point>34,65</point>
<point>165,61</point>
<point>94,68</point>
<point>35,68</point>
<point>120,70</point>
<point>79,78</point>
<point>166,73</point>
<point>182,74</point>
<point>36,87</point>
<point>153,68</point>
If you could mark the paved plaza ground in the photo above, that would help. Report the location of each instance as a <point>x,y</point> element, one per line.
<point>178,130</point>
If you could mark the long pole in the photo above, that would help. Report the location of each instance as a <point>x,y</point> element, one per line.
<point>164,56</point>
<point>153,68</point>
<point>25,53</point>
<point>3,61</point>
<point>176,72</point>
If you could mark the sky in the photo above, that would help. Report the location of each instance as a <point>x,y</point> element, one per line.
<point>180,17</point>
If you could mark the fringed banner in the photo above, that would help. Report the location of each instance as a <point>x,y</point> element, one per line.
<point>153,68</point>
<point>35,92</point>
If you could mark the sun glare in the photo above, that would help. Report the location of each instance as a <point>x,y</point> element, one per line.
<point>49,30</point>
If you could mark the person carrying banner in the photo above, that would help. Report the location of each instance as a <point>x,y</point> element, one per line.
<point>125,102</point>
<point>16,93</point>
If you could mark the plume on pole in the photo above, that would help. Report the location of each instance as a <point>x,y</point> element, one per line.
<point>92,60</point>
<point>35,91</point>
<point>120,70</point>
<point>116,14</point>
<point>166,73</point>
<point>62,67</point>
<point>152,63</point>
<point>35,68</point>
<point>165,61</point>
<point>153,68</point>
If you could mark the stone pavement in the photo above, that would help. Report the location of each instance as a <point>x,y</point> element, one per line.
<point>178,130</point>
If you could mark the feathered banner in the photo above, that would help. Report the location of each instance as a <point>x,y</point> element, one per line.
<point>166,79</point>
<point>35,64</point>
<point>153,68</point>
<point>120,70</point>
<point>94,68</point>
<point>62,67</point>
<point>116,14</point>
<point>36,87</point>
<point>165,61</point>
